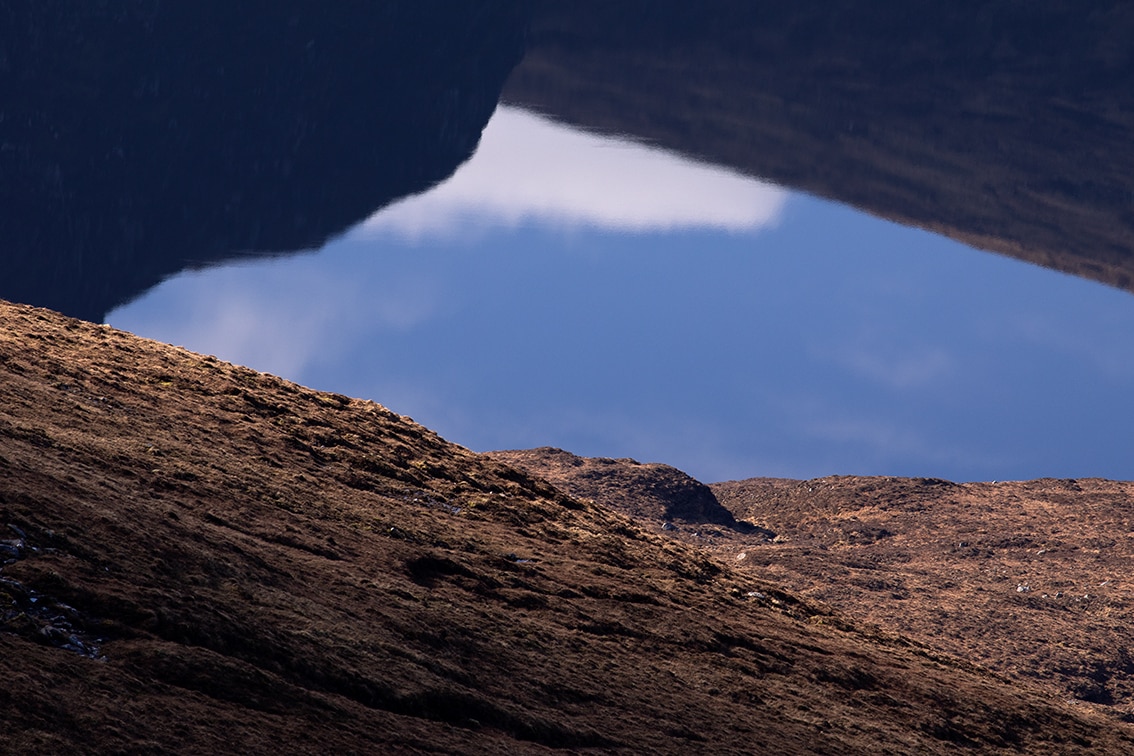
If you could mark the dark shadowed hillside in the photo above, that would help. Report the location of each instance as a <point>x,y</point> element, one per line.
<point>139,138</point>
<point>1003,124</point>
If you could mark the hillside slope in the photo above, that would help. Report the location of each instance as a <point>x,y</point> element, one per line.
<point>1027,578</point>
<point>201,558</point>
<point>1030,578</point>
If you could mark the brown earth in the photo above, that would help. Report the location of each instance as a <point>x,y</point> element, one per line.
<point>201,558</point>
<point>1030,579</point>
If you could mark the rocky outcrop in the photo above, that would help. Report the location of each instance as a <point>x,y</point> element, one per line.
<point>40,618</point>
<point>653,491</point>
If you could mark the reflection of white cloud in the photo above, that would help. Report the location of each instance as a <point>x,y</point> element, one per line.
<point>249,333</point>
<point>283,317</point>
<point>915,369</point>
<point>529,168</point>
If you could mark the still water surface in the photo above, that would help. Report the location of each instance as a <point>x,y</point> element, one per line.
<point>617,300</point>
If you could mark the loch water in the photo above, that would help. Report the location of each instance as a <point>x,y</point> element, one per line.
<point>749,331</point>
<point>598,287</point>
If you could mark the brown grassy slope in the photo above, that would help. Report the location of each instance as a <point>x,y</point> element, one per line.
<point>1032,579</point>
<point>1029,578</point>
<point>262,567</point>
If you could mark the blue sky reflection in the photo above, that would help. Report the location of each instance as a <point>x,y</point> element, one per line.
<point>732,332</point>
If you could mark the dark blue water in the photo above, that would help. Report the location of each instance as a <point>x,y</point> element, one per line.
<point>615,300</point>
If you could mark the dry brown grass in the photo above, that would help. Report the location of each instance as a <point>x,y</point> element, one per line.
<point>1029,578</point>
<point>266,567</point>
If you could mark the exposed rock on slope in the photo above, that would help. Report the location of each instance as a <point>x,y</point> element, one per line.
<point>263,564</point>
<point>646,491</point>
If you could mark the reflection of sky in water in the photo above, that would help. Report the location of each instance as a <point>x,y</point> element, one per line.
<point>729,329</point>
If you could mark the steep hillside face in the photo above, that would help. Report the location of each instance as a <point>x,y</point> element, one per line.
<point>200,558</point>
<point>1001,124</point>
